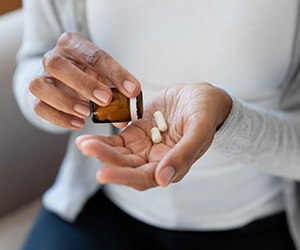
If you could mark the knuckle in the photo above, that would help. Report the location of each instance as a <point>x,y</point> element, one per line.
<point>69,42</point>
<point>116,72</point>
<point>35,85</point>
<point>52,61</point>
<point>65,39</point>
<point>46,57</point>
<point>96,56</point>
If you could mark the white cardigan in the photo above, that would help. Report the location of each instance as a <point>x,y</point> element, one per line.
<point>235,138</point>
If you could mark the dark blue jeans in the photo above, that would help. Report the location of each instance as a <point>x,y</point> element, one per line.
<point>102,226</point>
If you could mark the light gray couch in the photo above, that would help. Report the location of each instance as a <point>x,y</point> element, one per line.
<point>29,157</point>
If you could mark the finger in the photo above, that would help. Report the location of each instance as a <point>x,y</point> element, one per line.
<point>92,73</point>
<point>114,156</point>
<point>45,89</point>
<point>57,117</point>
<point>77,48</point>
<point>65,71</point>
<point>113,141</point>
<point>177,162</point>
<point>120,124</point>
<point>141,178</point>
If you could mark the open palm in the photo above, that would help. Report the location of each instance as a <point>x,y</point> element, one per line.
<point>192,112</point>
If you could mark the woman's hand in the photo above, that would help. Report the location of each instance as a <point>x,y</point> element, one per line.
<point>75,72</point>
<point>193,113</point>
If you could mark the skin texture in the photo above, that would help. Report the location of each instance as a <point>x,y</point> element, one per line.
<point>76,71</point>
<point>193,112</point>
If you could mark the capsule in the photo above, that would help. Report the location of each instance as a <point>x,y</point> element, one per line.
<point>160,121</point>
<point>155,135</point>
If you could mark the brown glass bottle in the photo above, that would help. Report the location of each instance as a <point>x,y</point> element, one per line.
<point>121,109</point>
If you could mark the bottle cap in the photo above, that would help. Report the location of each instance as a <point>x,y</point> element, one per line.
<point>136,107</point>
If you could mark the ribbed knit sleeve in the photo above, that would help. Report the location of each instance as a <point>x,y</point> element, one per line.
<point>268,140</point>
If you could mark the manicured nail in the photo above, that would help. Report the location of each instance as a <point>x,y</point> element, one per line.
<point>80,139</point>
<point>166,175</point>
<point>99,177</point>
<point>129,86</point>
<point>101,95</point>
<point>82,109</point>
<point>77,123</point>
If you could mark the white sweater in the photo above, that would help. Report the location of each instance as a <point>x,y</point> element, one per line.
<point>252,62</point>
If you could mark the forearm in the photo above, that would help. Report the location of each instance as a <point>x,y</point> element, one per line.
<point>268,140</point>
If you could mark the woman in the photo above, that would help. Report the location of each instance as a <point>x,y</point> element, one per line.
<point>216,180</point>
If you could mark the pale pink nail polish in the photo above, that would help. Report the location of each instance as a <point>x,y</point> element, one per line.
<point>82,109</point>
<point>129,86</point>
<point>101,95</point>
<point>77,123</point>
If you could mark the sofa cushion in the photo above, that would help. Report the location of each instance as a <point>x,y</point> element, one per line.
<point>30,158</point>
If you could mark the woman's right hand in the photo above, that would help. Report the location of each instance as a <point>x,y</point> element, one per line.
<point>75,72</point>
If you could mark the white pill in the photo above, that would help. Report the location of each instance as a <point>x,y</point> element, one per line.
<point>160,121</point>
<point>155,135</point>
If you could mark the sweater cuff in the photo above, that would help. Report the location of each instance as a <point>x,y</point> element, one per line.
<point>232,125</point>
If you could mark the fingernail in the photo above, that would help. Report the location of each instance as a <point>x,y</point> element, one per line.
<point>129,86</point>
<point>82,109</point>
<point>80,139</point>
<point>99,177</point>
<point>77,123</point>
<point>101,95</point>
<point>166,175</point>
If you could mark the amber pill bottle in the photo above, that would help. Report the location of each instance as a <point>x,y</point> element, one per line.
<point>121,109</point>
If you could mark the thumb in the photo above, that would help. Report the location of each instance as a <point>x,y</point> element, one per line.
<point>177,162</point>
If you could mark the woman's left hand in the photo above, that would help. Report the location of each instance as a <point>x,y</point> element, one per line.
<point>193,113</point>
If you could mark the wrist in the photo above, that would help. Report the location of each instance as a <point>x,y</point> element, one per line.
<point>225,105</point>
